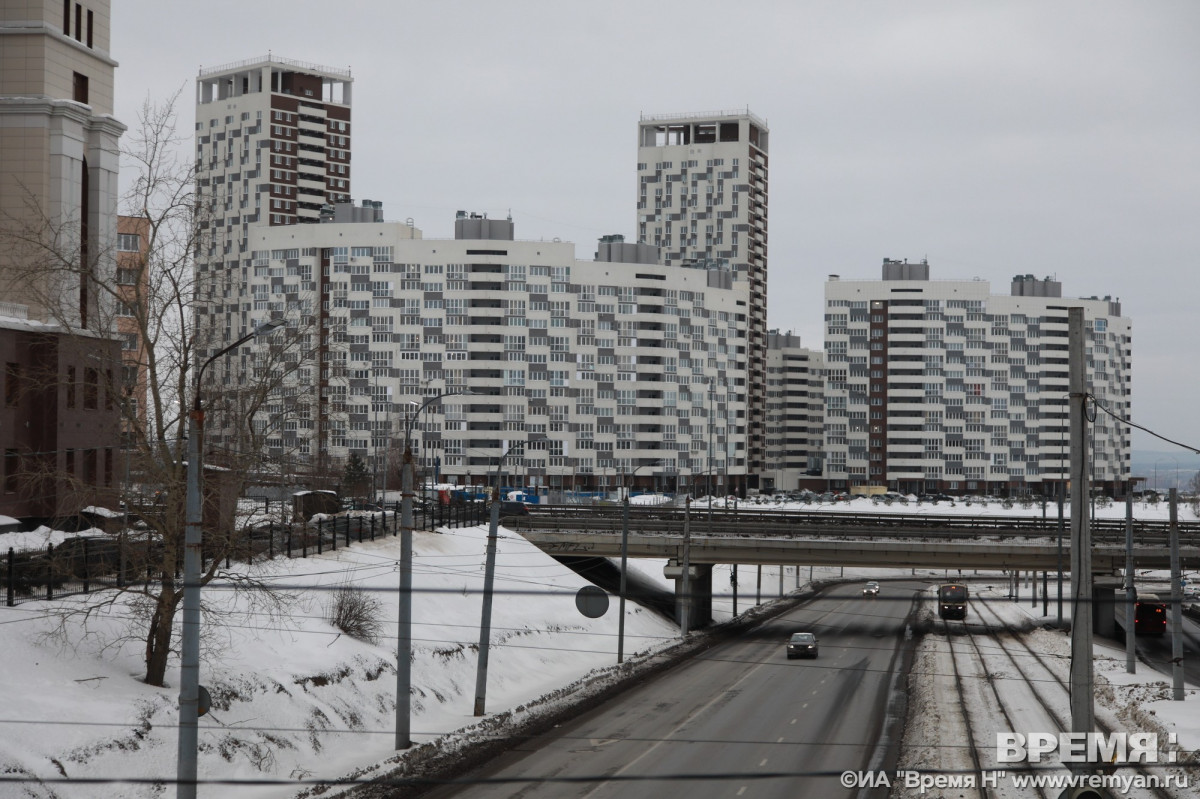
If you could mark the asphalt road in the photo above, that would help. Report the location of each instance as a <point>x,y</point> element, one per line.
<point>1157,650</point>
<point>738,720</point>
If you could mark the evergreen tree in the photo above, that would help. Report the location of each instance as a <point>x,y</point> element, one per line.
<point>356,480</point>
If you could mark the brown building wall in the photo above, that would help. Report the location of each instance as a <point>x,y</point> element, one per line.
<point>59,422</point>
<point>132,290</point>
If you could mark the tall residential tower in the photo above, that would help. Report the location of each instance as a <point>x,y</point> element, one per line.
<point>702,199</point>
<point>273,148</point>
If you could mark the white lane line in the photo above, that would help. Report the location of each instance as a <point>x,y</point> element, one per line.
<point>674,730</point>
<point>763,763</point>
<point>742,791</point>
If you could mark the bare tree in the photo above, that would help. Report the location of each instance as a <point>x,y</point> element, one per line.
<point>150,302</point>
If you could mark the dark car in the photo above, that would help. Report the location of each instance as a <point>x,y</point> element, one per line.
<point>802,645</point>
<point>871,589</point>
<point>508,508</point>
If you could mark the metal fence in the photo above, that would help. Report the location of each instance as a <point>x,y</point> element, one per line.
<point>86,563</point>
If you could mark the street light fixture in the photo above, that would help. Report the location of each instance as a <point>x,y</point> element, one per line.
<point>189,681</point>
<point>404,621</point>
<point>1174,474</point>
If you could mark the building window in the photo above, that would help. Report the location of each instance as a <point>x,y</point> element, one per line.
<point>80,89</point>
<point>12,470</point>
<point>91,389</point>
<point>89,467</point>
<point>127,277</point>
<point>129,242</point>
<point>70,386</point>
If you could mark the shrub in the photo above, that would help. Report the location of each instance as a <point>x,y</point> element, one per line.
<point>356,613</point>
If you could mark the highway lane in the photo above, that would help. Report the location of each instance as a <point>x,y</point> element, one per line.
<point>1157,650</point>
<point>737,720</point>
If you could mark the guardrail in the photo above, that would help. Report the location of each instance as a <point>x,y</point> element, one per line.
<point>772,523</point>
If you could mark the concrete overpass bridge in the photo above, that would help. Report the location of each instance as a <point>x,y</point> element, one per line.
<point>870,540</point>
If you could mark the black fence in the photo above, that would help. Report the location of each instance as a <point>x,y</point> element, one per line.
<point>88,563</point>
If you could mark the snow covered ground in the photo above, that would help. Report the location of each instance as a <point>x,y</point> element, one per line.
<point>295,700</point>
<point>1026,667</point>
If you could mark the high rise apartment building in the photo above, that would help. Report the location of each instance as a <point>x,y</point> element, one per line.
<point>943,386</point>
<point>702,199</point>
<point>795,414</point>
<point>59,147</point>
<point>272,148</point>
<point>590,373</point>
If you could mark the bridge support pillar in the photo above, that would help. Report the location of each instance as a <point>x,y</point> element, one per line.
<point>700,585</point>
<point>1104,602</point>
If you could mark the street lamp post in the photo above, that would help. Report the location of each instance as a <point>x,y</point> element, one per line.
<point>624,562</point>
<point>489,570</point>
<point>1174,474</point>
<point>404,617</point>
<point>189,680</point>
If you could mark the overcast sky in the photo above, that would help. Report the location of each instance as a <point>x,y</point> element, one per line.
<point>1048,138</point>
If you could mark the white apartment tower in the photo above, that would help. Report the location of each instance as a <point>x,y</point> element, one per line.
<point>59,146</point>
<point>943,386</point>
<point>272,148</point>
<point>596,374</point>
<point>702,199</point>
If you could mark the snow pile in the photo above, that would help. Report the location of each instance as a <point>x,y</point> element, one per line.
<point>293,697</point>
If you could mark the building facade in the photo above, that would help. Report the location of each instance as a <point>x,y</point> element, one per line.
<point>795,415</point>
<point>131,320</point>
<point>60,155</point>
<point>702,199</point>
<point>591,374</point>
<point>60,419</point>
<point>936,386</point>
<point>272,149</point>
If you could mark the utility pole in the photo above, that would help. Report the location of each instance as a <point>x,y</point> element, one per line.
<point>489,572</point>
<point>489,576</point>
<point>193,564</point>
<point>685,615</point>
<point>1176,603</point>
<point>1130,590</point>
<point>404,614</point>
<point>624,563</point>
<point>1082,678</point>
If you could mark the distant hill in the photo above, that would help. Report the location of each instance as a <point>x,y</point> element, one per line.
<point>1164,469</point>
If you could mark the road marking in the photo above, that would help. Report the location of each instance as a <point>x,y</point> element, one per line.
<point>742,791</point>
<point>732,687</point>
<point>780,740</point>
<point>763,763</point>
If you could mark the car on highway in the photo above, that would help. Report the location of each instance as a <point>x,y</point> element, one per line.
<point>871,589</point>
<point>802,645</point>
